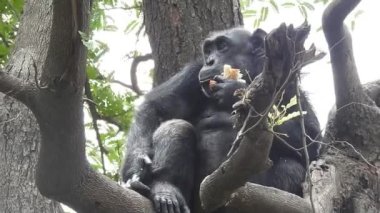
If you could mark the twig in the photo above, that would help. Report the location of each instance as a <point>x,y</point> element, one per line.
<point>302,121</point>
<point>135,7</point>
<point>286,143</point>
<point>123,84</point>
<point>95,117</point>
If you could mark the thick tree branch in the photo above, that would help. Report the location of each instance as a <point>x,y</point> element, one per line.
<point>16,88</point>
<point>266,199</point>
<point>346,80</point>
<point>357,120</point>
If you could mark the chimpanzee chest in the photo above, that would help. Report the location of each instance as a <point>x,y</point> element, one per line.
<point>214,139</point>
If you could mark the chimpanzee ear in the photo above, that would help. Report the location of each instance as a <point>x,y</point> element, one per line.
<point>257,38</point>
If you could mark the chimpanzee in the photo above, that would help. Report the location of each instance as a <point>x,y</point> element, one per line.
<point>183,129</point>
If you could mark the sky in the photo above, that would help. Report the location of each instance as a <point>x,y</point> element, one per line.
<point>317,80</point>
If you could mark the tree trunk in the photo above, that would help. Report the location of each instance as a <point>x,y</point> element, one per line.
<point>20,137</point>
<point>19,147</point>
<point>177,28</point>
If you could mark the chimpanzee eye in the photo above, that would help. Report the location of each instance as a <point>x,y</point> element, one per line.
<point>222,44</point>
<point>207,48</point>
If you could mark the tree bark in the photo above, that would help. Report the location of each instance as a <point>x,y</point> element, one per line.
<point>347,177</point>
<point>19,148</point>
<point>54,50</point>
<point>177,28</point>
<point>19,132</point>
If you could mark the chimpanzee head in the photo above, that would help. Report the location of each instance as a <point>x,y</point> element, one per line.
<point>236,47</point>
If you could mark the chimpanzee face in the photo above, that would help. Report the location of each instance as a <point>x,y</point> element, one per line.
<point>236,47</point>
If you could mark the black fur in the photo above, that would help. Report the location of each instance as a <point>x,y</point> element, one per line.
<point>186,128</point>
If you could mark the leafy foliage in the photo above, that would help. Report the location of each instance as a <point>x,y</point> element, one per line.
<point>10,12</point>
<point>114,110</point>
<point>259,10</point>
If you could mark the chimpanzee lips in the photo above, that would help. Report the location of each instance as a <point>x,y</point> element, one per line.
<point>206,89</point>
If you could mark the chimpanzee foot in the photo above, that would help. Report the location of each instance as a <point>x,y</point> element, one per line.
<point>168,199</point>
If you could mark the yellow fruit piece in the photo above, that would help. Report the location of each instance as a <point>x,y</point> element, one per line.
<point>231,73</point>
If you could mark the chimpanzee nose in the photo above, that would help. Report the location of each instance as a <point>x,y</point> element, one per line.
<point>210,61</point>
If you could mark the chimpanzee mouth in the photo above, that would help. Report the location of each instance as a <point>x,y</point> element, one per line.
<point>206,89</point>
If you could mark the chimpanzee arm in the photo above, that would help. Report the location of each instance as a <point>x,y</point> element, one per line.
<point>179,97</point>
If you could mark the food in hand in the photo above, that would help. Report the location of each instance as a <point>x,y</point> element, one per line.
<point>231,73</point>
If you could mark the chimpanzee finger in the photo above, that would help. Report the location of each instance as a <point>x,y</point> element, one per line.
<point>217,87</point>
<point>140,188</point>
<point>164,207</point>
<point>219,79</point>
<point>157,204</point>
<point>170,205</point>
<point>176,207</point>
<point>185,209</point>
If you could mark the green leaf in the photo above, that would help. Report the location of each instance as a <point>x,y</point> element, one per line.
<point>288,4</point>
<point>249,13</point>
<point>131,26</point>
<point>274,5</point>
<point>263,14</point>
<point>303,11</point>
<point>358,13</point>
<point>289,117</point>
<point>308,5</point>
<point>110,27</point>
<point>292,102</point>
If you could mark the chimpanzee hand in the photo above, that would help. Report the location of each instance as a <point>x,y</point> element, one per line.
<point>139,171</point>
<point>224,89</point>
<point>168,199</point>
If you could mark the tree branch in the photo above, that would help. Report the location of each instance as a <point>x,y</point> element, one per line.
<point>135,63</point>
<point>95,117</point>
<point>63,172</point>
<point>266,199</point>
<point>16,88</point>
<point>346,80</point>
